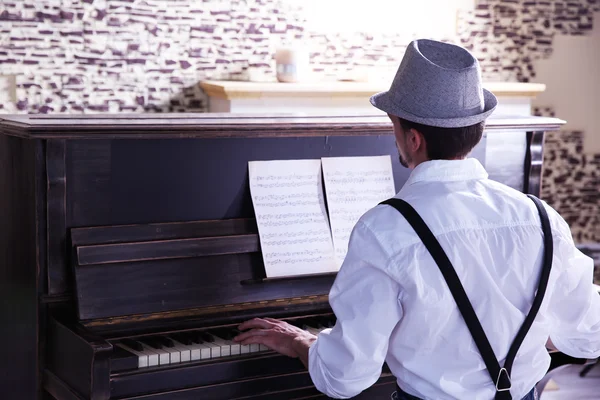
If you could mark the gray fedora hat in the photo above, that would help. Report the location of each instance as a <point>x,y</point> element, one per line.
<point>437,84</point>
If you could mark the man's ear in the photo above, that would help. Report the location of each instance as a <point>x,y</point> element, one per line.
<point>415,139</point>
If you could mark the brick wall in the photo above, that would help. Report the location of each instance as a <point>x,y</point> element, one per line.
<point>75,56</point>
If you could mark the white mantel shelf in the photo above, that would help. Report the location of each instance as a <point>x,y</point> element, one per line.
<point>256,97</point>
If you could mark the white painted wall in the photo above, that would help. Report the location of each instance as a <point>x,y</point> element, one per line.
<point>572,78</point>
<point>397,17</point>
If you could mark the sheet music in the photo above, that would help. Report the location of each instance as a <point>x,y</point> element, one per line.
<point>292,221</point>
<point>354,185</point>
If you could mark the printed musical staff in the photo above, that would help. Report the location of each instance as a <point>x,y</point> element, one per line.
<point>354,185</point>
<point>292,220</point>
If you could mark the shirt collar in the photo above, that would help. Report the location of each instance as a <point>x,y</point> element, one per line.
<point>447,171</point>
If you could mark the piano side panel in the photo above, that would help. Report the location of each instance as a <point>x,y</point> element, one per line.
<point>81,362</point>
<point>58,389</point>
<point>19,267</point>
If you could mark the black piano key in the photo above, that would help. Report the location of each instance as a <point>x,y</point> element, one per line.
<point>307,323</point>
<point>135,345</point>
<point>196,337</point>
<point>223,333</point>
<point>123,360</point>
<point>235,332</point>
<point>182,338</point>
<point>295,322</point>
<point>207,337</point>
<point>165,341</point>
<point>152,342</point>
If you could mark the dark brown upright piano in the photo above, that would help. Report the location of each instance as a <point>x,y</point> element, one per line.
<point>129,252</point>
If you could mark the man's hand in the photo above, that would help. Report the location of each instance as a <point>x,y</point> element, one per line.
<point>277,335</point>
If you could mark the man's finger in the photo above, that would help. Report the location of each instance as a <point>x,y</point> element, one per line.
<point>251,333</point>
<point>254,340</point>
<point>255,323</point>
<point>272,319</point>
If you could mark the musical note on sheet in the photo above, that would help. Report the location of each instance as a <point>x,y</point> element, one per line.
<point>292,220</point>
<point>354,185</point>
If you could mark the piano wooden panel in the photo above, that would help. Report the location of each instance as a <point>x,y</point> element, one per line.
<point>20,242</point>
<point>79,359</point>
<point>75,188</point>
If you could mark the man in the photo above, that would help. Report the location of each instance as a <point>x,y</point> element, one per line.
<point>392,303</point>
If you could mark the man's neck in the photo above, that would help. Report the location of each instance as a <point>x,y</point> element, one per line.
<point>425,159</point>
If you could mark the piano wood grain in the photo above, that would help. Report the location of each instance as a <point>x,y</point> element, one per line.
<point>165,231</point>
<point>21,264</point>
<point>166,249</point>
<point>79,359</point>
<point>270,374</point>
<point>56,215</point>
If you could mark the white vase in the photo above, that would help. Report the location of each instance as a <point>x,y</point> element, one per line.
<point>292,64</point>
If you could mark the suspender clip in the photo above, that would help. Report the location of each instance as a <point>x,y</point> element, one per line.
<point>503,382</point>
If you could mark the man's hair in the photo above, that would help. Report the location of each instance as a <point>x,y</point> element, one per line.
<point>447,143</point>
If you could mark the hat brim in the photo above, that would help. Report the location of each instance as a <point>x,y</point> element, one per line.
<point>383,101</point>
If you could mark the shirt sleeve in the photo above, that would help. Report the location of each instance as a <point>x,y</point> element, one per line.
<point>575,303</point>
<point>348,358</point>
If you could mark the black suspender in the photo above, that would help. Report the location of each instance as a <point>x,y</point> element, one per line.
<point>500,375</point>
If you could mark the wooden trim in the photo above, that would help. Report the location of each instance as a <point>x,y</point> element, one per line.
<point>58,298</point>
<point>166,249</point>
<point>56,194</point>
<point>225,125</point>
<point>235,90</point>
<point>203,312</point>
<point>161,231</point>
<point>515,89</point>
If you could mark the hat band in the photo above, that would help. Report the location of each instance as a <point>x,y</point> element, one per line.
<point>461,113</point>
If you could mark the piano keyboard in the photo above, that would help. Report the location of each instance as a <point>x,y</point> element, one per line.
<point>181,347</point>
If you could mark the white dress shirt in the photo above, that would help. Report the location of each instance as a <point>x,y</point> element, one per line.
<point>393,304</point>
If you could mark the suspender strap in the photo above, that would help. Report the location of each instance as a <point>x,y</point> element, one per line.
<point>500,375</point>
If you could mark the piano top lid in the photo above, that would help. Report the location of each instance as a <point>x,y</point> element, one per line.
<point>224,125</point>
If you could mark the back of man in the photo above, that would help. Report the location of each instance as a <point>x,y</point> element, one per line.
<point>492,234</point>
<point>390,298</point>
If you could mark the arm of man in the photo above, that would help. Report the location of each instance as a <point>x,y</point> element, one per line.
<point>347,359</point>
<point>575,303</point>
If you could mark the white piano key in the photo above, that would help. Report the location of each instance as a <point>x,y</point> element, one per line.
<point>185,351</point>
<point>215,349</point>
<point>206,351</point>
<point>254,348</point>
<point>174,354</point>
<point>152,356</point>
<point>225,347</point>
<point>235,347</point>
<point>262,347</point>
<point>162,356</point>
<point>142,357</point>
<point>244,348</point>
